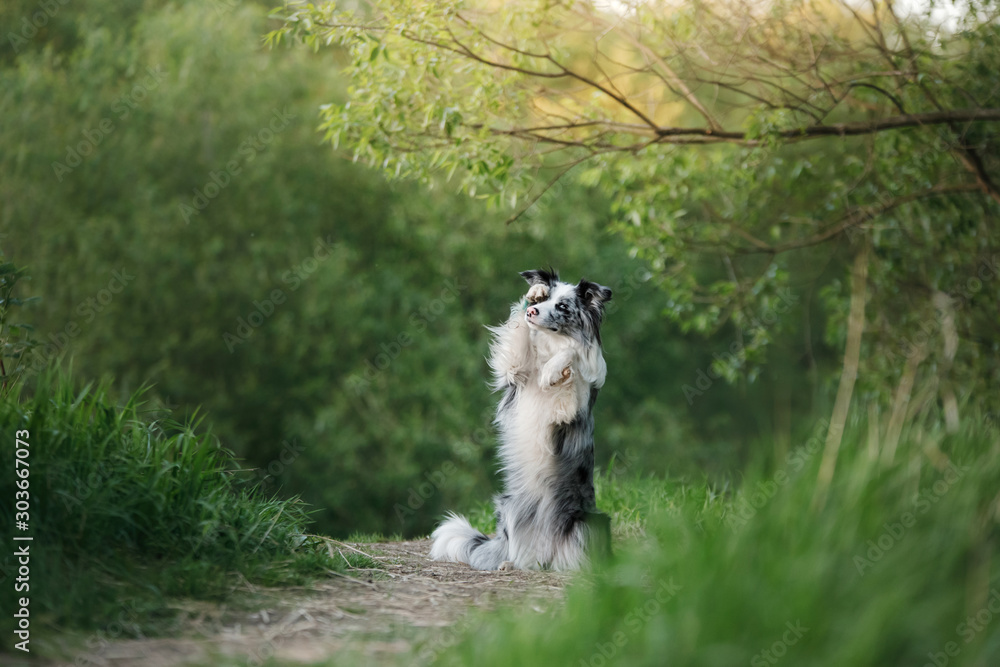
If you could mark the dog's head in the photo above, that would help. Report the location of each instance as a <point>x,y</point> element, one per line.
<point>564,308</point>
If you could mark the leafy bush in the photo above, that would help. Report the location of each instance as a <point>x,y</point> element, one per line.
<point>126,507</point>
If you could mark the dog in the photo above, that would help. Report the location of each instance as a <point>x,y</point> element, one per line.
<point>547,360</point>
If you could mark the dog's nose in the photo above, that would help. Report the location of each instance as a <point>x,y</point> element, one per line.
<point>532,311</point>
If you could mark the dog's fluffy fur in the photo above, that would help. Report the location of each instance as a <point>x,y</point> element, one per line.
<point>547,361</point>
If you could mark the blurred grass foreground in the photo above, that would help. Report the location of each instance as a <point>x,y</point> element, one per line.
<point>898,565</point>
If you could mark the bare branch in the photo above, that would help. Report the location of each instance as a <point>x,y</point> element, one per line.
<point>563,71</point>
<point>548,186</point>
<point>669,76</point>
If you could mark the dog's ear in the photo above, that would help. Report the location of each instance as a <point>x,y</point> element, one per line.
<point>592,294</point>
<point>541,277</point>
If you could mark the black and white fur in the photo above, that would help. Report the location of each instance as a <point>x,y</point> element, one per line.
<point>547,361</point>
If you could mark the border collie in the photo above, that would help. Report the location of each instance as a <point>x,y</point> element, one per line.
<point>547,361</point>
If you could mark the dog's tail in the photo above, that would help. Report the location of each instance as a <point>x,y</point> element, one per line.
<point>457,541</point>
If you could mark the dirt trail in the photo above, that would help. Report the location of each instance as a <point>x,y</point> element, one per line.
<point>410,610</point>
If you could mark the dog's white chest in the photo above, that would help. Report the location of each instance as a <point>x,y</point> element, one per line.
<point>547,346</point>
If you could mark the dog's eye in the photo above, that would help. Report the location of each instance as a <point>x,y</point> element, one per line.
<point>562,307</point>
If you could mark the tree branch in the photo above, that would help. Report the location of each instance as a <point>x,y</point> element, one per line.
<point>548,186</point>
<point>856,218</point>
<point>700,135</point>
<point>850,129</point>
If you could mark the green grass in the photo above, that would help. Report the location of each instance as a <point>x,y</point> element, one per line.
<point>371,538</point>
<point>629,499</point>
<point>887,572</point>
<point>128,511</point>
<point>899,566</point>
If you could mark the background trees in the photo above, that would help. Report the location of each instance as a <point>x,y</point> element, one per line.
<point>161,180</point>
<point>331,323</point>
<point>745,149</point>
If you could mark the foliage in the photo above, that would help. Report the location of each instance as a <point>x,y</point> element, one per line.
<point>744,148</point>
<point>130,508</point>
<point>899,566</point>
<point>16,341</point>
<point>369,377</point>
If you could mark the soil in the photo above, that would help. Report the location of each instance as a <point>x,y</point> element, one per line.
<point>404,613</point>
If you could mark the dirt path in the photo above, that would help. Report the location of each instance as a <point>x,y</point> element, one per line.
<point>409,611</point>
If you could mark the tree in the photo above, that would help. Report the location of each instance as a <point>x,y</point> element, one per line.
<point>240,270</point>
<point>746,146</point>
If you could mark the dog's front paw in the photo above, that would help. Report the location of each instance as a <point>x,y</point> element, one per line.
<point>537,293</point>
<point>507,565</point>
<point>551,377</point>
